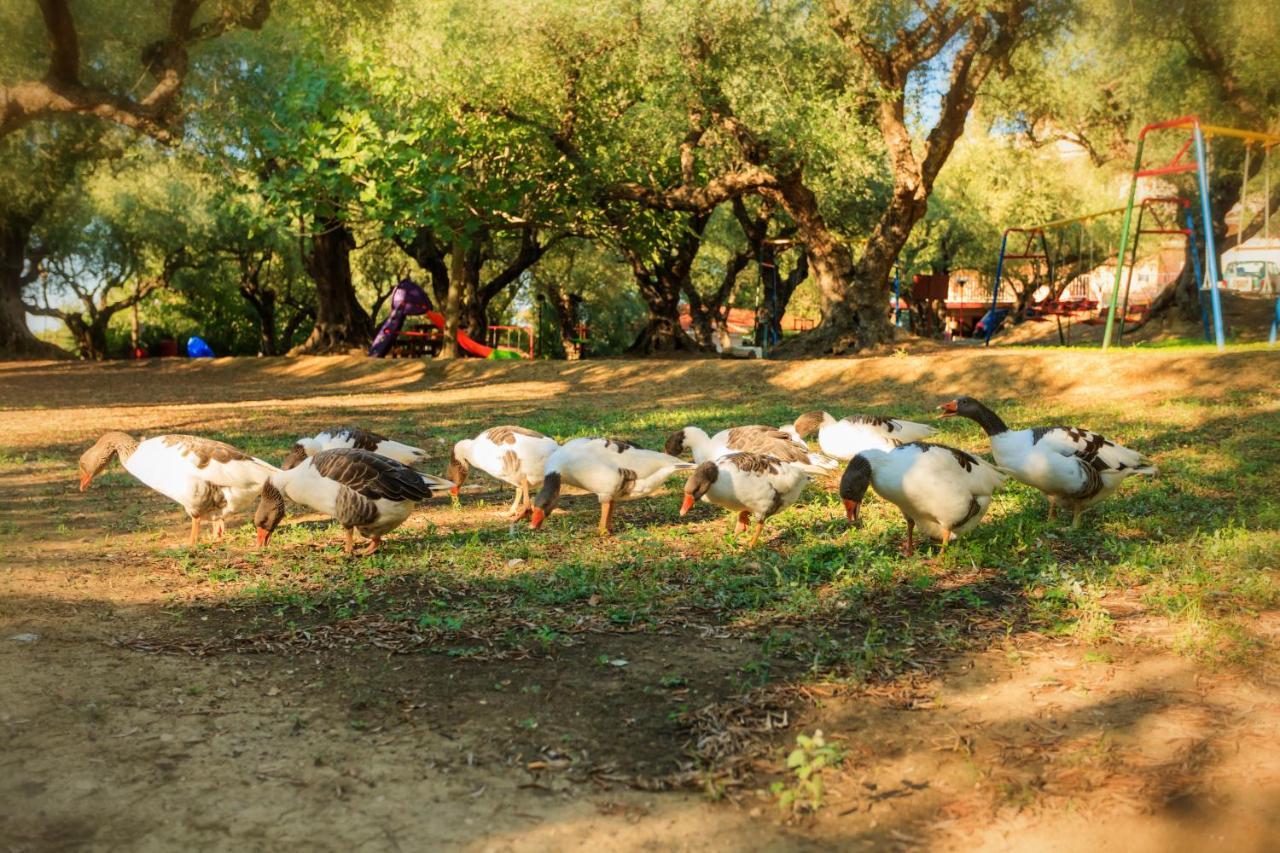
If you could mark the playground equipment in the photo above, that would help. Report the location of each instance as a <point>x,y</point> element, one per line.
<point>1035,234</point>
<point>410,300</point>
<point>1198,136</point>
<point>1162,227</point>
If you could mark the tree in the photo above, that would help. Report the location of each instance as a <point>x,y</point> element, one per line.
<point>61,90</point>
<point>39,164</point>
<point>116,237</point>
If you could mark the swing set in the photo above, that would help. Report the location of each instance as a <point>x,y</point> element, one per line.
<point>1035,249</point>
<point>1198,136</point>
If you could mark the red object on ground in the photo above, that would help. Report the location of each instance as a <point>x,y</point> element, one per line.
<point>468,343</point>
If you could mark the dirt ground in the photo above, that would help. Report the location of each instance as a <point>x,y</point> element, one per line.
<point>141,710</point>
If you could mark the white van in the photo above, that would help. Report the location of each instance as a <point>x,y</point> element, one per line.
<point>1253,268</point>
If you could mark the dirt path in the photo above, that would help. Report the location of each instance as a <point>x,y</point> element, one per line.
<point>142,708</point>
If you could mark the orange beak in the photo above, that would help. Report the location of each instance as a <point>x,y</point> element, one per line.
<point>948,410</point>
<point>84,481</point>
<point>538,516</point>
<point>264,536</point>
<point>687,505</point>
<point>851,509</point>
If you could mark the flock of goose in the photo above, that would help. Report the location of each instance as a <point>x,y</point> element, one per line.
<point>367,482</point>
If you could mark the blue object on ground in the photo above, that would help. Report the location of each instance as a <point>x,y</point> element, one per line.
<point>197,348</point>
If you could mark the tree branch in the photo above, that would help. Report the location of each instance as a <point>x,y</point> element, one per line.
<point>61,90</point>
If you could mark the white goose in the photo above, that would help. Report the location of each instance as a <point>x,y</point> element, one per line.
<point>611,470</point>
<point>353,438</point>
<point>942,490</point>
<point>211,480</point>
<point>359,489</point>
<point>845,438</point>
<point>751,439</point>
<point>754,485</point>
<point>512,454</point>
<point>1073,467</point>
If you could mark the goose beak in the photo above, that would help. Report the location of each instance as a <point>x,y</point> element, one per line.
<point>851,510</point>
<point>687,505</point>
<point>84,481</point>
<point>264,536</point>
<point>949,410</point>
<point>538,516</point>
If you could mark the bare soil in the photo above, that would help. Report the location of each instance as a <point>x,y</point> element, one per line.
<point>139,710</point>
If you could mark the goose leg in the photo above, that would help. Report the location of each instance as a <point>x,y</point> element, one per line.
<point>946,537</point>
<point>756,536</point>
<point>911,544</point>
<point>522,505</point>
<point>349,541</point>
<point>1053,510</point>
<point>195,532</point>
<point>1075,518</point>
<point>374,542</point>
<point>606,513</point>
<point>219,528</point>
<point>744,519</point>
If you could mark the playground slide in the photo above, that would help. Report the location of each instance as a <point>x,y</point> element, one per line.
<point>465,341</point>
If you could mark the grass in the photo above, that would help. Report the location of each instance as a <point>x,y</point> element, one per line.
<point>1198,543</point>
<point>820,600</point>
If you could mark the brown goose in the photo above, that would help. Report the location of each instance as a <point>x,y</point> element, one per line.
<point>611,470</point>
<point>512,454</point>
<point>353,438</point>
<point>210,480</point>
<point>753,485</point>
<point>361,490</point>
<point>751,439</point>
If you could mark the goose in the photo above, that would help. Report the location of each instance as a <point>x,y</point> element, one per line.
<point>942,490</point>
<point>752,439</point>
<point>754,485</point>
<point>610,469</point>
<point>210,480</point>
<point>512,454</point>
<point>356,438</point>
<point>1074,467</point>
<point>845,438</point>
<point>360,489</point>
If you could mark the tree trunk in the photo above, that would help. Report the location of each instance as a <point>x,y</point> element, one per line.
<point>16,340</point>
<point>341,323</point>
<point>778,293</point>
<point>90,337</point>
<point>853,297</point>
<point>453,302</point>
<point>662,332</point>
<point>475,304</point>
<point>263,303</point>
<point>566,306</point>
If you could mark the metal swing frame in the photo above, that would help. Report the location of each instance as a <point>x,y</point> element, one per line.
<point>1197,136</point>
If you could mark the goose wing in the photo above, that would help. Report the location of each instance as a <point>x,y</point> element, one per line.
<point>216,462</point>
<point>1091,447</point>
<point>372,476</point>
<point>903,432</point>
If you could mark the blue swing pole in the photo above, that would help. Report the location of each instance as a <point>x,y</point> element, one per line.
<point>1211,250</point>
<point>1194,250</point>
<point>995,288</point>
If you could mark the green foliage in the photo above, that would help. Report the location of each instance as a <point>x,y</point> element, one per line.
<point>806,763</point>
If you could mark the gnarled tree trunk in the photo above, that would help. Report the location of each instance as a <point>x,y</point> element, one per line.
<point>341,322</point>
<point>661,283</point>
<point>16,340</point>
